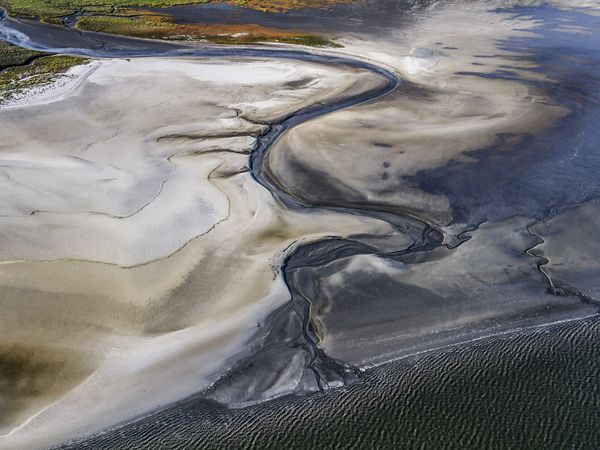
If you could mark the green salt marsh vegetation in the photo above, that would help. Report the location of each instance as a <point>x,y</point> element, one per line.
<point>21,69</point>
<point>126,17</point>
<point>61,8</point>
<point>159,26</point>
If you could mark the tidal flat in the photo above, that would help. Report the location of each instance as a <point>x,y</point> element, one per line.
<point>97,192</point>
<point>276,245</point>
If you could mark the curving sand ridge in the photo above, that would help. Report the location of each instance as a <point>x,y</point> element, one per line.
<point>112,171</point>
<point>145,241</point>
<point>453,102</point>
<point>138,257</point>
<point>467,96</point>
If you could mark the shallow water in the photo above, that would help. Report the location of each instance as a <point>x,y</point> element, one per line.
<point>535,389</point>
<point>374,17</point>
<point>537,173</point>
<point>489,239</point>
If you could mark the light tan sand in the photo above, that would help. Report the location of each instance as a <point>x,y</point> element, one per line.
<point>137,256</point>
<point>136,253</point>
<point>438,116</point>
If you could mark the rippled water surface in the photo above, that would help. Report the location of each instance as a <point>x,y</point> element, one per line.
<point>427,238</point>
<point>534,389</point>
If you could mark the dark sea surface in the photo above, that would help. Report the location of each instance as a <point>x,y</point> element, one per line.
<point>537,388</point>
<point>528,389</point>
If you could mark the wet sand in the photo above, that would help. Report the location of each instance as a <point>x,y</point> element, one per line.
<point>248,260</point>
<point>152,254</point>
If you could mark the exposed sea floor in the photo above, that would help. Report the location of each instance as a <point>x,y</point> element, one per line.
<point>528,389</point>
<point>400,234</point>
<point>532,388</point>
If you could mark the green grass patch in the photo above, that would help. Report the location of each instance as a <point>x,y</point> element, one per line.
<point>155,26</point>
<point>61,8</point>
<point>11,55</point>
<point>41,71</point>
<point>152,27</point>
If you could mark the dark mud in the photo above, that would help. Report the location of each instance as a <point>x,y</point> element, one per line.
<point>531,388</point>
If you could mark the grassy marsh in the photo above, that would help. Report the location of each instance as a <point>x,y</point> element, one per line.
<point>22,69</point>
<point>11,56</point>
<point>122,17</point>
<point>61,8</point>
<point>159,26</point>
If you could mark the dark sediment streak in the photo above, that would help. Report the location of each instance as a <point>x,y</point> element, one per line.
<point>425,237</point>
<point>293,332</point>
<point>555,286</point>
<point>326,370</point>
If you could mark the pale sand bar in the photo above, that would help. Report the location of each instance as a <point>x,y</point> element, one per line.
<point>137,253</point>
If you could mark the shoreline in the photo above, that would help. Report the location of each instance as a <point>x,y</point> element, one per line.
<point>56,89</point>
<point>321,249</point>
<point>121,429</point>
<point>96,77</point>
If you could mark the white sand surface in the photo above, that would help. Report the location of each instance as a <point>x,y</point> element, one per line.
<point>442,112</point>
<point>136,253</point>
